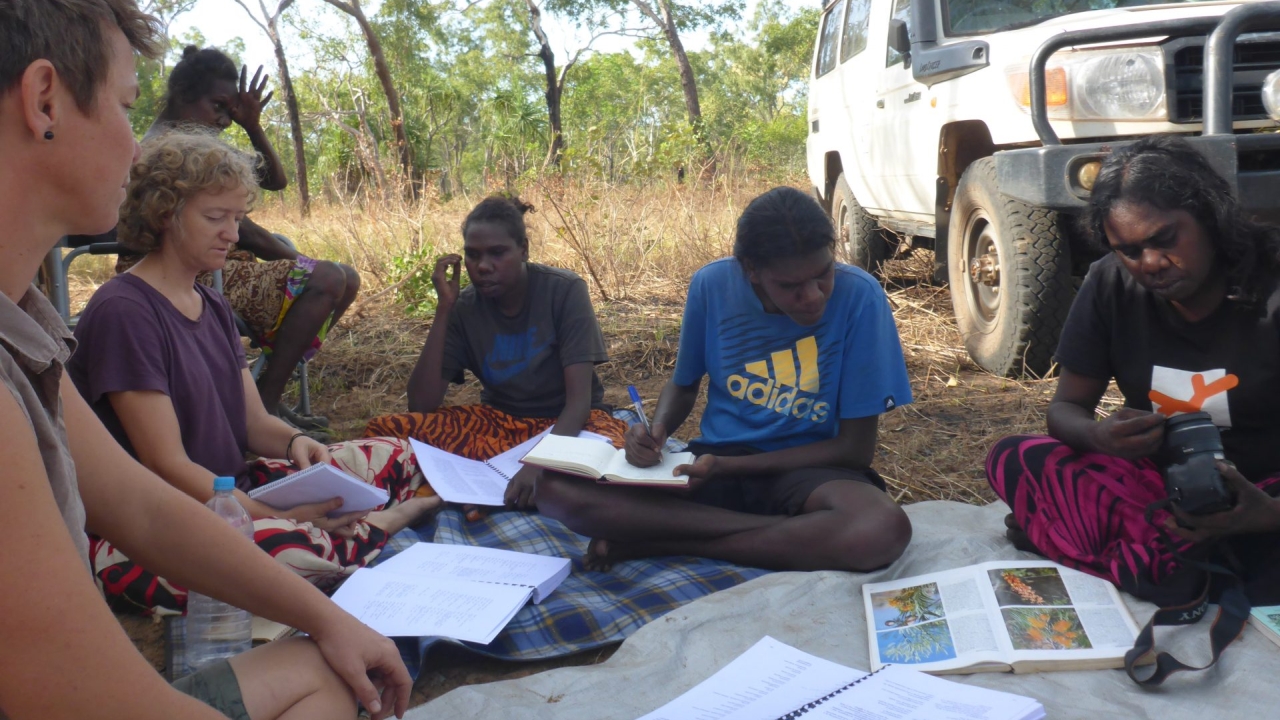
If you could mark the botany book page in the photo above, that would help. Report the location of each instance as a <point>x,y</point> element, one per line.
<point>989,616</point>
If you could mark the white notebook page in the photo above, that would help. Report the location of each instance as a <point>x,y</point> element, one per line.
<point>479,564</point>
<point>398,605</point>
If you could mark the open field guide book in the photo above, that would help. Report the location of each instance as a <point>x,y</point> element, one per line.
<point>774,681</point>
<point>1267,620</point>
<point>479,482</point>
<point>605,463</point>
<point>454,591</point>
<point>1024,616</point>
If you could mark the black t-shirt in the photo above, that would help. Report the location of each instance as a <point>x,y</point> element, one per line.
<point>520,361</point>
<point>1227,364</point>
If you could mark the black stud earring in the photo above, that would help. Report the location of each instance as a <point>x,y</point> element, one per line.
<point>48,134</point>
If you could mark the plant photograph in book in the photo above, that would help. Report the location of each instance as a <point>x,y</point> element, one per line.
<point>1045,629</point>
<point>1029,586</point>
<point>908,606</point>
<point>920,643</point>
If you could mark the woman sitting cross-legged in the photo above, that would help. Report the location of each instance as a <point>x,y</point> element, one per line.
<point>802,358</point>
<point>527,331</point>
<point>1183,315</point>
<point>161,363</point>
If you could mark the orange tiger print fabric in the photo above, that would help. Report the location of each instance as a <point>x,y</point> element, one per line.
<point>479,432</point>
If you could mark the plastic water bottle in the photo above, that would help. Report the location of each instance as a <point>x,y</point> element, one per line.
<point>215,630</point>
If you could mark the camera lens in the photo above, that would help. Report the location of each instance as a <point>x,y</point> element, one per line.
<point>1191,434</point>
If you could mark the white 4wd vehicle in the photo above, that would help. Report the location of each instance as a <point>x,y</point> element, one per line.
<point>976,127</point>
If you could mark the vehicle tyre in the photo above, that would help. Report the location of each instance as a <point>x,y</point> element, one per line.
<point>864,242</point>
<point>1010,276</point>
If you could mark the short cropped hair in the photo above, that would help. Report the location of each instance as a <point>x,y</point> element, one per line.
<point>70,35</point>
<point>781,223</point>
<point>505,210</point>
<point>175,167</point>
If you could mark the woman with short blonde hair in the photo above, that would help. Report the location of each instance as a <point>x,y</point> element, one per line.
<point>161,363</point>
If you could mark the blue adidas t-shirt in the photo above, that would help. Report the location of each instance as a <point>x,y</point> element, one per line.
<point>775,384</point>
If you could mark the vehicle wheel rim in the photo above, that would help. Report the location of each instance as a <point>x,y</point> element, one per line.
<point>842,227</point>
<point>982,295</point>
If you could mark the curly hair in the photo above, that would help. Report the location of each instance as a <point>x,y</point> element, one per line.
<point>193,77</point>
<point>174,168</point>
<point>1167,173</point>
<point>505,210</point>
<point>781,223</point>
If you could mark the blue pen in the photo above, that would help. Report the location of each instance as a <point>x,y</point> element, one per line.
<point>638,404</point>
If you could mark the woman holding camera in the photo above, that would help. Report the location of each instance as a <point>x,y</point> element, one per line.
<point>1183,315</point>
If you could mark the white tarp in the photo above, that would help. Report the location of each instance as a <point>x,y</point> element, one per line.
<point>821,613</point>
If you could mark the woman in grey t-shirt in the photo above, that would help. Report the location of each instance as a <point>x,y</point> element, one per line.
<point>527,331</point>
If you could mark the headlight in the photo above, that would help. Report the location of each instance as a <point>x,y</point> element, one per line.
<point>1271,95</point>
<point>1115,85</point>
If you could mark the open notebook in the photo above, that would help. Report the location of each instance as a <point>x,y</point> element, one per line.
<point>454,591</point>
<point>774,681</point>
<point>478,482</point>
<point>604,463</point>
<point>319,483</point>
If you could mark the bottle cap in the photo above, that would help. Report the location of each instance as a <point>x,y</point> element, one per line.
<point>224,484</point>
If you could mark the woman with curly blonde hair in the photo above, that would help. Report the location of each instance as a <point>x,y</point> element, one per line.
<point>160,362</point>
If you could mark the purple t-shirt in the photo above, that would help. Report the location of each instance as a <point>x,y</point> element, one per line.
<point>132,338</point>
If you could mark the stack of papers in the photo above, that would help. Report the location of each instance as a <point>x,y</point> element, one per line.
<point>453,591</point>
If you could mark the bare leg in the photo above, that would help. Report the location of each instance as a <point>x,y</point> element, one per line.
<point>324,294</point>
<point>290,680</point>
<point>844,525</point>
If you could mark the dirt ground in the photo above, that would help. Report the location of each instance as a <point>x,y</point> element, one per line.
<point>931,449</point>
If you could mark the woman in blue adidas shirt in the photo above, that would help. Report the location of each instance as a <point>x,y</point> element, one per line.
<point>802,357</point>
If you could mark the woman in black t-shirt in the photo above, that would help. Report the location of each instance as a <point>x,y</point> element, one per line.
<point>1183,316</point>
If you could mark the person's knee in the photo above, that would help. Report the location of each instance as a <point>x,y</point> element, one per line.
<point>559,497</point>
<point>328,279</point>
<point>352,282</point>
<point>873,539</point>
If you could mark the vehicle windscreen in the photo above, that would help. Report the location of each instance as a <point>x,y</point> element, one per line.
<point>975,17</point>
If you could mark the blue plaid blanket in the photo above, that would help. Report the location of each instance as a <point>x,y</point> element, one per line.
<point>589,609</point>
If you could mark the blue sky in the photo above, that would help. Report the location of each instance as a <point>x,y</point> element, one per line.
<point>222,20</point>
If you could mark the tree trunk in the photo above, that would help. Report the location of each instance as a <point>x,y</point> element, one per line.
<point>295,119</point>
<point>554,88</point>
<point>665,19</point>
<point>352,8</point>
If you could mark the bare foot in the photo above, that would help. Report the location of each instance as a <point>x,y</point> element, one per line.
<point>1018,536</point>
<point>602,554</point>
<point>414,511</point>
<point>597,558</point>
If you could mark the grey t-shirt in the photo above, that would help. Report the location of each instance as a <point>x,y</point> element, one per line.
<point>520,360</point>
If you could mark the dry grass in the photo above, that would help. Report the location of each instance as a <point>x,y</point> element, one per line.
<point>637,248</point>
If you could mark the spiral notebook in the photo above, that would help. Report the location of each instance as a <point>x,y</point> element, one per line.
<point>320,483</point>
<point>774,681</point>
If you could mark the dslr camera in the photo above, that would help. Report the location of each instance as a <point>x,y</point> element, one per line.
<point>1190,452</point>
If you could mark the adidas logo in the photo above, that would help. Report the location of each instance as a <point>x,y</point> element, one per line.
<point>783,388</point>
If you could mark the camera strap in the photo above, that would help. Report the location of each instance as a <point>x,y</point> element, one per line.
<point>1233,613</point>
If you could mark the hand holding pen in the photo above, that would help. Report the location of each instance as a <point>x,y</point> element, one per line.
<point>644,441</point>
